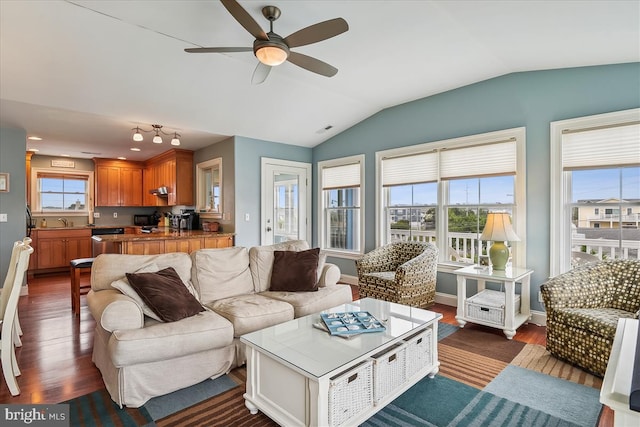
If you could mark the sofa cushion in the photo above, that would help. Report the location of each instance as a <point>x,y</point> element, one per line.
<point>165,294</point>
<point>125,287</point>
<point>295,271</point>
<point>163,341</point>
<point>221,273</point>
<point>108,268</point>
<point>251,312</point>
<point>305,303</point>
<point>261,261</point>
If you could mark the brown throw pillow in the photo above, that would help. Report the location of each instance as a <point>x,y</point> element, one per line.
<point>165,294</point>
<point>295,271</point>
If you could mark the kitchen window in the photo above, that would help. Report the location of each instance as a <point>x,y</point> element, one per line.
<point>62,193</point>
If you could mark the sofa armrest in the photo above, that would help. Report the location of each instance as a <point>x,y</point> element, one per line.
<point>114,311</point>
<point>330,275</point>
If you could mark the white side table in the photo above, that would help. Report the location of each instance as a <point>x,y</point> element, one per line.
<point>508,277</point>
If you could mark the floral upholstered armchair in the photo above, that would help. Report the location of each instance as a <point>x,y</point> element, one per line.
<point>583,307</point>
<point>401,272</point>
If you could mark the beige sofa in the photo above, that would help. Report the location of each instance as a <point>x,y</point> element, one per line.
<point>140,357</point>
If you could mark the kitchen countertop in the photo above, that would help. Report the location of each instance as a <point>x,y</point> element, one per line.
<point>162,233</point>
<point>82,227</point>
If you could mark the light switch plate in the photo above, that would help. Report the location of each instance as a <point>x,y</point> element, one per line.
<point>115,214</point>
<point>96,214</point>
<point>3,217</point>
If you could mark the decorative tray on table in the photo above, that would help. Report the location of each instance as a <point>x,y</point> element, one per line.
<point>351,323</point>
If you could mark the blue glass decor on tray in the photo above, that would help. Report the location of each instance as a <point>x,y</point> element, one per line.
<point>351,323</point>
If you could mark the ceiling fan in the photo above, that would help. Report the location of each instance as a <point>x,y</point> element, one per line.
<point>272,49</point>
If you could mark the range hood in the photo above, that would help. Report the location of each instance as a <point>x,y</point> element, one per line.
<point>160,191</point>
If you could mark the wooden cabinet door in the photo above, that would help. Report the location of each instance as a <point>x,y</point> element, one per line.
<point>183,245</point>
<point>144,247</point>
<point>218,242</point>
<point>51,253</point>
<point>107,186</point>
<point>78,247</point>
<point>131,186</point>
<point>149,182</point>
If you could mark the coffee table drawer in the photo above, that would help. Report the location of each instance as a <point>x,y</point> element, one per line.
<point>418,352</point>
<point>388,371</point>
<point>351,393</point>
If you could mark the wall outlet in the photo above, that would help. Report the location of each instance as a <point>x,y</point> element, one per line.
<point>3,217</point>
<point>246,217</point>
<point>115,214</point>
<point>540,297</point>
<point>96,214</point>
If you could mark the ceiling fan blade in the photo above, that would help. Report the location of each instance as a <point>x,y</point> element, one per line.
<point>218,49</point>
<point>244,19</point>
<point>260,73</point>
<point>317,32</point>
<point>312,64</point>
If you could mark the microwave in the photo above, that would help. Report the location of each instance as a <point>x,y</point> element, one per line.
<point>142,220</point>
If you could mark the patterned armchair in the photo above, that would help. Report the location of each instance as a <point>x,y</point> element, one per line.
<point>401,272</point>
<point>583,307</point>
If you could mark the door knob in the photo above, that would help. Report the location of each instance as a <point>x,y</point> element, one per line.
<point>268,228</point>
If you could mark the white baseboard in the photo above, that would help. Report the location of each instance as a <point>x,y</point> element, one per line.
<point>537,317</point>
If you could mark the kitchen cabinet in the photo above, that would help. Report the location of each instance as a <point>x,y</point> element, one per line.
<point>218,242</point>
<point>183,245</point>
<point>56,248</point>
<point>167,241</point>
<point>172,169</point>
<point>118,183</point>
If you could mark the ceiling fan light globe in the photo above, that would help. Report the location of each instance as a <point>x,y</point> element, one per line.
<point>271,55</point>
<point>157,139</point>
<point>175,141</point>
<point>137,137</point>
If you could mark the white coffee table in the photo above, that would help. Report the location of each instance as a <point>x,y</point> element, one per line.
<point>292,366</point>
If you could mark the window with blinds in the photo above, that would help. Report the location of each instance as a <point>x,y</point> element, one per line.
<point>61,192</point>
<point>442,191</point>
<point>341,213</point>
<point>596,199</point>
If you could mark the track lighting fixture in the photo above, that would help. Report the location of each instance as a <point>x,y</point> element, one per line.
<point>157,138</point>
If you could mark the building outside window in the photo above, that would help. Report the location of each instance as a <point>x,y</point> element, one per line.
<point>442,191</point>
<point>341,188</point>
<point>595,161</point>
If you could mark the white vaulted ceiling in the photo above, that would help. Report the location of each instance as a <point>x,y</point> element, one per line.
<point>81,74</point>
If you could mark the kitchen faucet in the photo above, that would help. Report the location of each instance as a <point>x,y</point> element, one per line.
<point>64,221</point>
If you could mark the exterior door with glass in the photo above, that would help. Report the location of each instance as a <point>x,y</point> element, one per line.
<point>286,201</point>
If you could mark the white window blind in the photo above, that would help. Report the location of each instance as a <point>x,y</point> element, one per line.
<point>604,147</point>
<point>480,160</point>
<point>343,176</point>
<point>411,169</point>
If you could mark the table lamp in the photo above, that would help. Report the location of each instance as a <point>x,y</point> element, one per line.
<point>498,230</point>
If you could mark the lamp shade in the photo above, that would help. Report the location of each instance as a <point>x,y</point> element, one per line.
<point>498,228</point>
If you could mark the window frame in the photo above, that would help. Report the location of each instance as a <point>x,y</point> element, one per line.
<point>519,207</point>
<point>560,231</point>
<point>36,205</point>
<point>322,223</point>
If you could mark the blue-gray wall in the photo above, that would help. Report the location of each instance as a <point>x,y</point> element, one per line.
<point>13,146</point>
<point>530,99</point>
<point>248,154</point>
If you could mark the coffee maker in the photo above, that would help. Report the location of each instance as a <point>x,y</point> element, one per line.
<point>189,220</point>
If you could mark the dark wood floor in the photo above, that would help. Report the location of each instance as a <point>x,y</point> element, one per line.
<point>55,358</point>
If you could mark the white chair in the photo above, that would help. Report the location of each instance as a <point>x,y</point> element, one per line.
<point>8,314</point>
<point>4,292</point>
